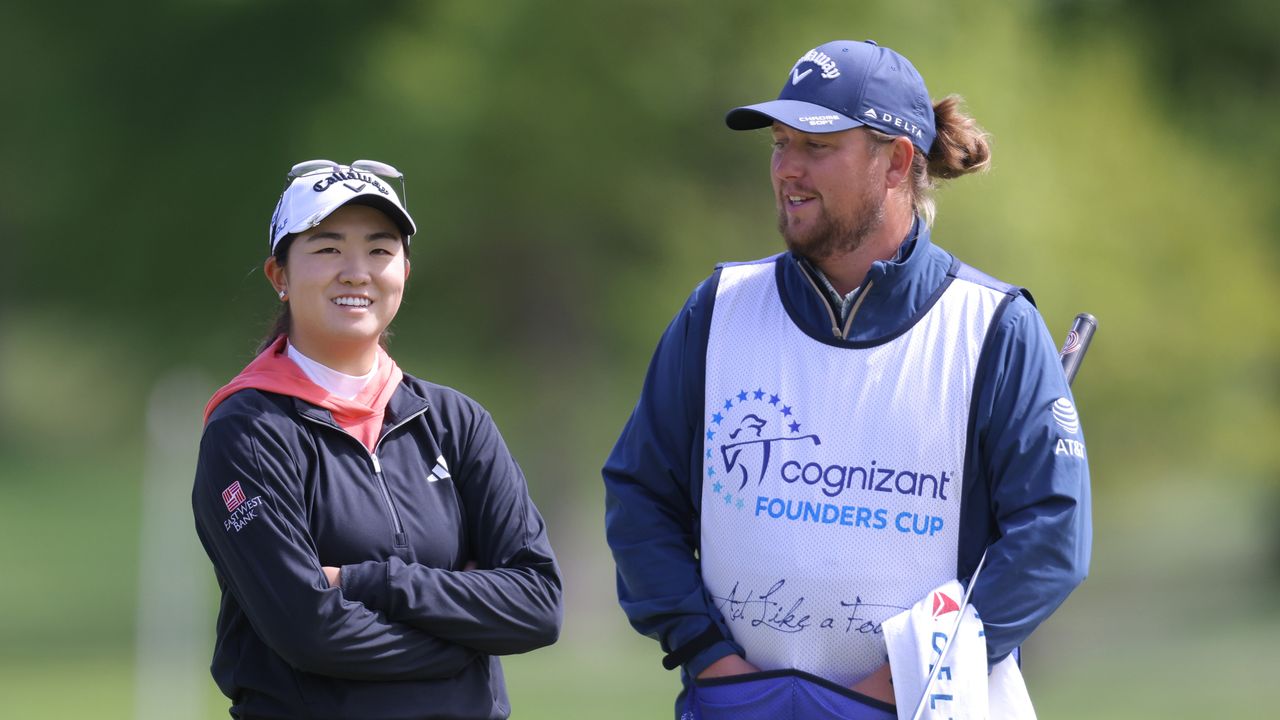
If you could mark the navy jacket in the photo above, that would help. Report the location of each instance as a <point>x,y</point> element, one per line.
<point>281,491</point>
<point>1023,495</point>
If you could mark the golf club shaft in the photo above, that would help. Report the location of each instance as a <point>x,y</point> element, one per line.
<point>1072,354</point>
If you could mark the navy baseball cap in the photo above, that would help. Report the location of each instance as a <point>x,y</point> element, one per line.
<point>844,84</point>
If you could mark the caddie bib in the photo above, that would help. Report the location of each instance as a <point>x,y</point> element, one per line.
<point>831,474</point>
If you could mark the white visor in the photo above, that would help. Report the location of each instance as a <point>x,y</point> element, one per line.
<point>311,198</point>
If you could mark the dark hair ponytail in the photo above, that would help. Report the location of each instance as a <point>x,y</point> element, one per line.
<point>284,319</point>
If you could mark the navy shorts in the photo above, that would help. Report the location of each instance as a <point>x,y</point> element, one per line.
<point>780,695</point>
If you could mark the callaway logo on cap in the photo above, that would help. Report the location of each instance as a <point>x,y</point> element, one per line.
<point>842,85</point>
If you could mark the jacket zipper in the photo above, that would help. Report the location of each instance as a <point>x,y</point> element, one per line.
<point>831,313</point>
<point>857,304</point>
<point>401,538</point>
<point>835,322</point>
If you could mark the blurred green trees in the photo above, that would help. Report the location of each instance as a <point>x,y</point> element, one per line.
<point>573,181</point>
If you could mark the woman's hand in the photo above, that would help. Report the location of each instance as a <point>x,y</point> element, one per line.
<point>726,666</point>
<point>333,575</point>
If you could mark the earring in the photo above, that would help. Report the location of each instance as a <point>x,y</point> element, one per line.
<point>283,293</point>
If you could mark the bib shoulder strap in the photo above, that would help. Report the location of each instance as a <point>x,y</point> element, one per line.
<point>964,271</point>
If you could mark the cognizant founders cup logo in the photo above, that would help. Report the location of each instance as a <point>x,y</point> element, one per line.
<point>761,458</point>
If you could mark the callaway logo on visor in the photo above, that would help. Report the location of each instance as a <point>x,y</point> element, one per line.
<point>339,176</point>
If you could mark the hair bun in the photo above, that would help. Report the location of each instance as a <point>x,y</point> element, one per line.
<point>961,146</point>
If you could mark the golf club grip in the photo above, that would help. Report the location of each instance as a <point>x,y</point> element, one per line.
<point>1077,344</point>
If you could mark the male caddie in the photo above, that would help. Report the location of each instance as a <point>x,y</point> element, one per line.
<point>826,435</point>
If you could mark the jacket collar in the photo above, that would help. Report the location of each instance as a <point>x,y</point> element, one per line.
<point>405,402</point>
<point>894,294</point>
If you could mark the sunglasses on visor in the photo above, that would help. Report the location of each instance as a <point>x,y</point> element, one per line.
<point>373,167</point>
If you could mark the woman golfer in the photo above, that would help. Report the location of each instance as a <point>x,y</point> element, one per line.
<point>373,539</point>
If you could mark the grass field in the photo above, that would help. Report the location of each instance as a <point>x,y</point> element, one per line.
<point>1174,622</point>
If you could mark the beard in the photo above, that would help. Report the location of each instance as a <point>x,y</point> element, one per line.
<point>830,236</point>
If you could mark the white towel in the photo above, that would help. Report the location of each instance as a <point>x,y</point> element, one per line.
<point>963,689</point>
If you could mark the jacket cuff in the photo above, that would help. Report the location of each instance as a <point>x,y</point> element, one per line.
<point>703,660</point>
<point>700,651</point>
<point>366,583</point>
<point>686,652</point>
